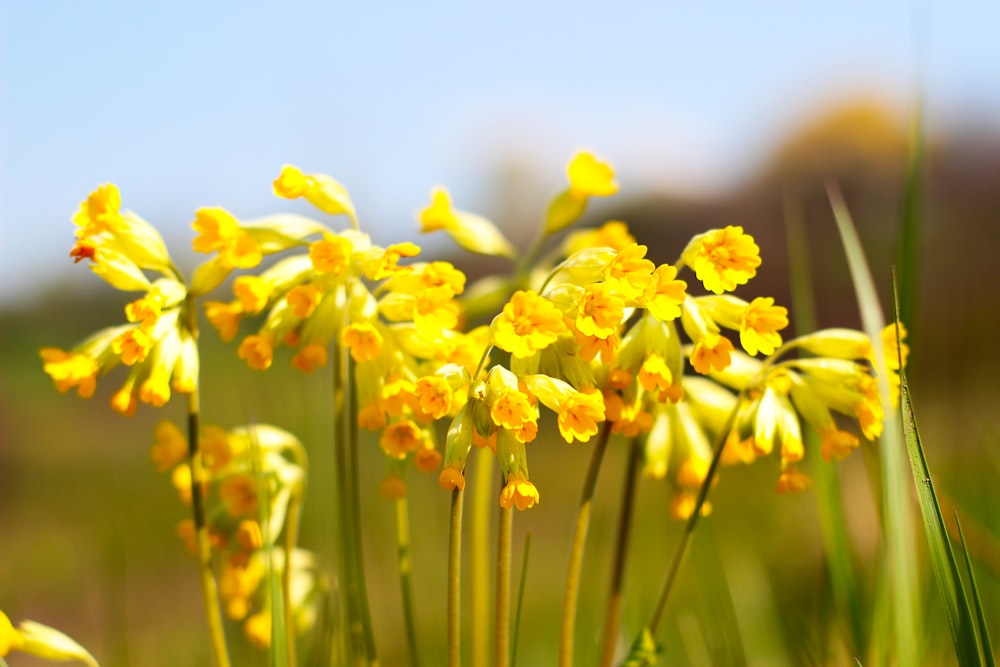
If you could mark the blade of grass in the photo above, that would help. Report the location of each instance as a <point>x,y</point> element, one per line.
<point>897,512</point>
<point>946,574</point>
<point>986,646</point>
<point>833,524</point>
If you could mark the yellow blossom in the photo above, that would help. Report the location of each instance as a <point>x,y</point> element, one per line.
<point>793,480</point>
<point>145,311</point>
<point>225,317</point>
<point>124,401</point>
<point>760,325</point>
<point>528,323</point>
<point>155,389</point>
<point>310,357</point>
<point>439,215</point>
<point>320,190</point>
<point>711,353</point>
<point>170,447</point>
<point>665,294</point>
<point>451,478</point>
<point>216,229</point>
<point>387,264</point>
<point>473,232</point>
<point>837,444</point>
<point>133,345</point>
<point>253,293</point>
<point>589,177</point>
<point>70,369</point>
<point>330,254</point>
<point>434,396</point>
<point>371,417</point>
<point>257,351</point>
<point>427,459</point>
<point>630,274</point>
<point>400,438</point>
<point>613,234</point>
<point>599,312</point>
<point>100,212</point>
<point>512,409</point>
<point>580,414</point>
<point>723,258</point>
<point>303,299</point>
<point>239,493</point>
<point>520,493</point>
<point>364,341</point>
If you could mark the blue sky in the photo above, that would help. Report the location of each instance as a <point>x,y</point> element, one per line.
<point>190,104</point>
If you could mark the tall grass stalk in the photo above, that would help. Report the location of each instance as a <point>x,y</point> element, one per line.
<point>571,591</point>
<point>901,580</point>
<point>833,524</point>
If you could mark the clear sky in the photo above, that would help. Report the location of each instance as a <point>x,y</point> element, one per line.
<point>190,104</point>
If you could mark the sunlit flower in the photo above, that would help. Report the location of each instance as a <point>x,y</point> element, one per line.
<point>363,340</point>
<point>711,353</point>
<point>528,323</point>
<point>310,357</point>
<point>837,444</point>
<point>253,293</point>
<point>579,415</point>
<point>330,254</point>
<point>599,312</point>
<point>760,325</point>
<point>723,258</point>
<point>257,351</point>
<point>400,438</point>
<point>434,396</point>
<point>665,294</point>
<point>589,177</point>
<point>630,274</point>
<point>224,317</point>
<point>520,493</point>
<point>69,370</point>
<point>451,478</point>
<point>792,480</point>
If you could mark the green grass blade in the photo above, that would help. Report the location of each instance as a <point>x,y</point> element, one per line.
<point>907,259</point>
<point>897,513</point>
<point>833,524</point>
<point>986,646</point>
<point>946,574</point>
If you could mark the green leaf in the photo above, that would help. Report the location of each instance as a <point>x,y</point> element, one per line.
<point>897,512</point>
<point>984,632</point>
<point>949,582</point>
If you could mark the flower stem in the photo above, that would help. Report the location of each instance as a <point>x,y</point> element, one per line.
<point>573,570</point>
<point>692,521</point>
<point>502,646</point>
<point>483,502</point>
<point>613,612</point>
<point>291,537</point>
<point>209,588</point>
<point>405,560</point>
<point>455,579</point>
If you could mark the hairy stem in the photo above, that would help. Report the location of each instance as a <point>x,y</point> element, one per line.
<point>455,579</point>
<point>502,648</point>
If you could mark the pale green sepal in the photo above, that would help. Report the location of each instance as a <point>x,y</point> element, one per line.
<point>45,642</point>
<point>208,276</point>
<point>564,210</point>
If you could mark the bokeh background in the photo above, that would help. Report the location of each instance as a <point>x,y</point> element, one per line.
<point>713,114</point>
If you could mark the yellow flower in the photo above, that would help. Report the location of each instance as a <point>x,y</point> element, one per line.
<point>473,232</point>
<point>10,639</point>
<point>253,293</point>
<point>133,345</point>
<point>225,317</point>
<point>310,357</point>
<point>589,177</point>
<point>427,459</point>
<point>239,493</point>
<point>372,417</point>
<point>579,415</point>
<point>451,478</point>
<point>124,401</point>
<point>170,447</point>
<point>520,493</point>
<point>439,215</point>
<point>599,312</point>
<point>793,480</point>
<point>837,444</point>
<point>711,352</point>
<point>70,369</point>
<point>320,190</point>
<point>364,341</point>
<point>387,264</point>
<point>630,273</point>
<point>216,229</point>
<point>155,390</point>
<point>330,254</point>
<point>257,351</point>
<point>665,294</point>
<point>303,299</point>
<point>723,258</point>
<point>291,183</point>
<point>237,584</point>
<point>512,409</point>
<point>528,323</point>
<point>400,438</point>
<point>100,213</point>
<point>145,311</point>
<point>243,253</point>
<point>760,325</point>
<point>434,396</point>
<point>655,374</point>
<point>392,488</point>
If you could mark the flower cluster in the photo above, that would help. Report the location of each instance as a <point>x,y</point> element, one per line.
<point>157,343</point>
<point>253,480</point>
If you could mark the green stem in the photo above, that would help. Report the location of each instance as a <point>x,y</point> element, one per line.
<point>291,538</point>
<point>572,589</point>
<point>483,502</point>
<point>613,612</point>
<point>502,647</point>
<point>692,521</point>
<point>455,579</point>
<point>405,561</point>
<point>209,588</point>
<point>342,464</point>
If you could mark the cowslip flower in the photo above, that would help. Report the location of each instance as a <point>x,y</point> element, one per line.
<point>472,232</point>
<point>528,323</point>
<point>723,258</point>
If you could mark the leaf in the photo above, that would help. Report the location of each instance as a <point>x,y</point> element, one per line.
<point>984,632</point>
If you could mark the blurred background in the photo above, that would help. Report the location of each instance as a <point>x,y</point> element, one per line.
<point>712,114</point>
